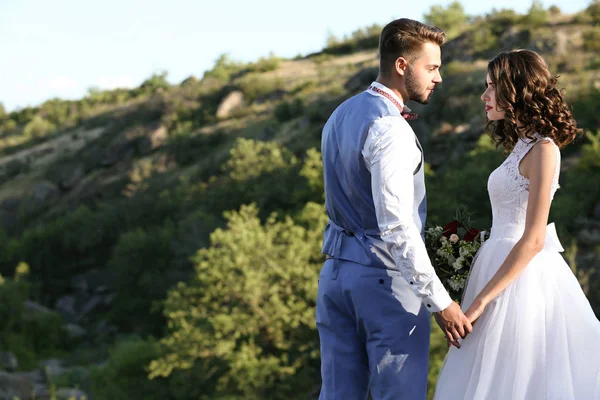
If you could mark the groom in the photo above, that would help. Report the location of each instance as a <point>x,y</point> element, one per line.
<point>377,286</point>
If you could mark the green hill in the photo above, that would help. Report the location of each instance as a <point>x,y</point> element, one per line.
<point>173,232</point>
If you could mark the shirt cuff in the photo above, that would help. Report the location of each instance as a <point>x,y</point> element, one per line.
<point>438,301</point>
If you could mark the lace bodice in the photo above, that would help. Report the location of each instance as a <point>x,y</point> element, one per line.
<point>509,190</point>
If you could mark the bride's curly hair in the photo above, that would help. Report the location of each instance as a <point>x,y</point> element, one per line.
<point>526,91</point>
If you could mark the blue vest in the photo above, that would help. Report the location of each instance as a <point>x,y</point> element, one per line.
<point>352,233</point>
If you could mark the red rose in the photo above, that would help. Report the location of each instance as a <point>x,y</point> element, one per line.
<point>451,228</point>
<point>471,235</point>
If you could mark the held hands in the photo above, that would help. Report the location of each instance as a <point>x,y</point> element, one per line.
<point>472,314</point>
<point>453,323</point>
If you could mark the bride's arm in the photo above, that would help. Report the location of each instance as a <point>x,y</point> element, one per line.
<point>538,166</point>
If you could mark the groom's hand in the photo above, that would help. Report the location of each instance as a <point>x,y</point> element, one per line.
<point>453,323</point>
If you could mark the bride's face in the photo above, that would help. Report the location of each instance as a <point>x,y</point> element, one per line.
<point>489,98</point>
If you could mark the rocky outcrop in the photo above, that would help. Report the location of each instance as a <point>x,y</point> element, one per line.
<point>232,101</point>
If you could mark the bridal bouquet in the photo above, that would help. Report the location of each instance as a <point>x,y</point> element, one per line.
<point>451,249</point>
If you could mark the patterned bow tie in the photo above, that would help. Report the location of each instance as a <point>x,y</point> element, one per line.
<point>408,115</point>
<point>404,111</point>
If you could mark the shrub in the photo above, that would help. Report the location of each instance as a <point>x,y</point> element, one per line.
<point>265,64</point>
<point>247,316</point>
<point>483,39</point>
<point>157,82</point>
<point>189,148</point>
<point>465,179</point>
<point>585,108</point>
<point>554,10</point>
<point>124,377</point>
<point>29,334</point>
<point>14,167</point>
<point>361,39</point>
<point>287,110</point>
<point>251,159</point>
<point>500,20</point>
<point>593,11</point>
<point>58,112</point>
<point>312,171</point>
<point>8,125</point>
<point>38,127</point>
<point>254,85</point>
<point>536,16</point>
<point>452,19</point>
<point>66,246</point>
<point>590,155</point>
<point>223,69</point>
<point>591,39</point>
<point>141,265</point>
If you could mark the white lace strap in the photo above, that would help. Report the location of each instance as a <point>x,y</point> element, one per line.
<point>557,167</point>
<point>525,146</point>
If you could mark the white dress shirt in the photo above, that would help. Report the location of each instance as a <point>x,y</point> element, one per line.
<point>392,155</point>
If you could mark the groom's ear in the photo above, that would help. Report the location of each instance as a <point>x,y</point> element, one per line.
<point>400,65</point>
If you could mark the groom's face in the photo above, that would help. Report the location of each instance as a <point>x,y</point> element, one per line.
<point>423,73</point>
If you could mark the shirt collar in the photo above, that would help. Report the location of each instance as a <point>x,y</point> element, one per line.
<point>389,91</point>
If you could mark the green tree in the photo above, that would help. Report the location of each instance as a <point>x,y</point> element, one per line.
<point>452,18</point>
<point>590,155</point>
<point>246,319</point>
<point>142,267</point>
<point>537,15</point>
<point>38,127</point>
<point>501,20</point>
<point>124,376</point>
<point>250,159</point>
<point>265,173</point>
<point>593,11</point>
<point>591,39</point>
<point>29,334</point>
<point>56,111</point>
<point>224,67</point>
<point>8,125</point>
<point>157,82</point>
<point>554,10</point>
<point>312,170</point>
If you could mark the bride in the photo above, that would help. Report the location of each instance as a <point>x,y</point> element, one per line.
<point>535,335</point>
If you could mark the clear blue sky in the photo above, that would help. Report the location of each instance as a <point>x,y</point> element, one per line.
<point>60,48</point>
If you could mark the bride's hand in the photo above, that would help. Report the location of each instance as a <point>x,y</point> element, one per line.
<point>475,311</point>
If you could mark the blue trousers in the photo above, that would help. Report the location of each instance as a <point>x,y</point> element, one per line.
<point>374,334</point>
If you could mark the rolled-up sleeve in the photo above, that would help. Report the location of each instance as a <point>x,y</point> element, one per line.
<point>391,155</point>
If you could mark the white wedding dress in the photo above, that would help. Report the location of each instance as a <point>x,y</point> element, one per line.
<point>539,339</point>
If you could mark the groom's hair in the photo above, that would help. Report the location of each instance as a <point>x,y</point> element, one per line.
<point>405,38</point>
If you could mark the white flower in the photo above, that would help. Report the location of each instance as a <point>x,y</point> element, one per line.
<point>443,239</point>
<point>457,282</point>
<point>435,231</point>
<point>451,260</point>
<point>446,251</point>
<point>453,284</point>
<point>466,248</point>
<point>459,263</point>
<point>454,238</point>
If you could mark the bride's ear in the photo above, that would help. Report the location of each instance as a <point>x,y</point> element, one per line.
<point>400,66</point>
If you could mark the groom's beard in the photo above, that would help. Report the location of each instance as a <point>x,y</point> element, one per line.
<point>415,93</point>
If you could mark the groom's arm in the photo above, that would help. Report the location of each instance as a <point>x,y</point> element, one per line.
<point>391,155</point>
